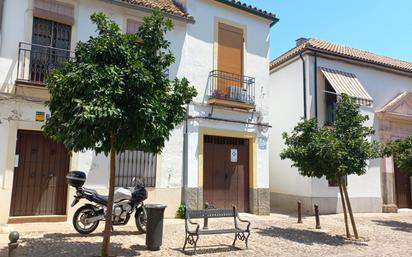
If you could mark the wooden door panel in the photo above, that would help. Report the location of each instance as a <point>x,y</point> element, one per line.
<point>403,189</point>
<point>35,192</point>
<point>225,182</point>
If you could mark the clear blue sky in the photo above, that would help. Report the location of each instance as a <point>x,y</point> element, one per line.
<point>380,26</point>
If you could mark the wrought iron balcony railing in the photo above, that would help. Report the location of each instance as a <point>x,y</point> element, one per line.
<point>232,87</point>
<point>36,61</point>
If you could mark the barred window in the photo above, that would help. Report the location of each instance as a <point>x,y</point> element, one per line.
<point>135,164</point>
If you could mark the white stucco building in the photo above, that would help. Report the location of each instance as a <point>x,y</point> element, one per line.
<point>219,154</point>
<point>304,82</point>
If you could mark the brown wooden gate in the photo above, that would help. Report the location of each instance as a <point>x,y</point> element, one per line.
<point>403,189</point>
<point>39,184</point>
<point>226,177</point>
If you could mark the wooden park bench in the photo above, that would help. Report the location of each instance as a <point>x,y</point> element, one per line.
<point>193,233</point>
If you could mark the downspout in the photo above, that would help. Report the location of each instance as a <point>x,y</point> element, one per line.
<point>304,84</point>
<point>1,19</point>
<point>315,67</point>
<point>185,157</point>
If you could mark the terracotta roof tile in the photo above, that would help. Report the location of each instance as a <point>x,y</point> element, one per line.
<point>167,6</point>
<point>249,7</point>
<point>343,51</point>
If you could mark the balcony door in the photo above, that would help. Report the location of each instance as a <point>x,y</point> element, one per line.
<point>229,59</point>
<point>51,42</point>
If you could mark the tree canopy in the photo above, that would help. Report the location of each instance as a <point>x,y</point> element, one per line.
<point>335,151</point>
<point>401,151</point>
<point>117,84</point>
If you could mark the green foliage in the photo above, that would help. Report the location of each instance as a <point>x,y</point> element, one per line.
<point>117,84</point>
<point>401,151</point>
<point>336,151</point>
<point>181,211</point>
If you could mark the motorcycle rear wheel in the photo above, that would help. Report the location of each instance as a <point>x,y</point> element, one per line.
<point>141,220</point>
<point>78,220</point>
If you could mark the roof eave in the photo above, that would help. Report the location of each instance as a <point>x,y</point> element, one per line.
<point>313,49</point>
<point>188,19</point>
<point>273,19</point>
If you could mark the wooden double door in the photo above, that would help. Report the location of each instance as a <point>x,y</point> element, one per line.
<point>39,184</point>
<point>226,172</point>
<point>403,189</point>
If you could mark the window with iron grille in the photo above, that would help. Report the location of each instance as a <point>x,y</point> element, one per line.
<point>50,40</point>
<point>135,164</point>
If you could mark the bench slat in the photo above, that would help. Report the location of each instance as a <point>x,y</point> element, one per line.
<point>210,213</point>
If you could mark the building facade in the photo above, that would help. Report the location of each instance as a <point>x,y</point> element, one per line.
<point>311,76</point>
<point>218,155</point>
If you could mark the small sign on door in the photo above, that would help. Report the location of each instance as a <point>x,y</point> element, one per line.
<point>233,155</point>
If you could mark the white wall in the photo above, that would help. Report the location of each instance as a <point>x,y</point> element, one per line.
<point>286,110</point>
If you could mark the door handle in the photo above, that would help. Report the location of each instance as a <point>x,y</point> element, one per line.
<point>51,175</point>
<point>226,176</point>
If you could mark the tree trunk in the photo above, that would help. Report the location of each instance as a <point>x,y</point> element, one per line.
<point>108,225</point>
<point>345,214</point>
<point>352,219</point>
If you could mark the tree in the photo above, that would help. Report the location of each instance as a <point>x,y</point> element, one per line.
<point>401,151</point>
<point>115,96</point>
<point>333,152</point>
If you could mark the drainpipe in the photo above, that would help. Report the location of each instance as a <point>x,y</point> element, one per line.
<point>1,18</point>
<point>304,85</point>
<point>315,67</point>
<point>185,156</point>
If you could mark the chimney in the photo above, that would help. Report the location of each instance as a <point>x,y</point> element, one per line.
<point>300,41</point>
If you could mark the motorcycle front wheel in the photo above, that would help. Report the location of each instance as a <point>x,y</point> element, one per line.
<point>141,219</point>
<point>79,223</point>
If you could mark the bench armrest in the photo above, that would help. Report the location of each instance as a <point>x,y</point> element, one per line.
<point>244,221</point>
<point>192,223</point>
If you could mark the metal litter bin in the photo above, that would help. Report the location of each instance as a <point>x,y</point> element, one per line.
<point>154,231</point>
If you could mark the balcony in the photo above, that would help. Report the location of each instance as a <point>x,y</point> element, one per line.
<point>36,61</point>
<point>231,90</point>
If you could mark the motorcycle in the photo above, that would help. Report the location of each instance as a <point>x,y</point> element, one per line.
<point>126,201</point>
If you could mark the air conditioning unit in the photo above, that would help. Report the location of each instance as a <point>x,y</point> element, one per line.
<point>237,93</point>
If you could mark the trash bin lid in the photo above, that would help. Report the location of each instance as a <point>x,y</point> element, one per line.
<point>155,206</point>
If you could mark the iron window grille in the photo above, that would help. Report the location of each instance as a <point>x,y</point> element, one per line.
<point>135,164</point>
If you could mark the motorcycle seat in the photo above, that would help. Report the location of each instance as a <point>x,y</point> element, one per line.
<point>99,197</point>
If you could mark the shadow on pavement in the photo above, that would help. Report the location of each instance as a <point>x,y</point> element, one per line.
<point>63,245</point>
<point>209,249</point>
<point>395,225</point>
<point>100,234</point>
<point>306,237</point>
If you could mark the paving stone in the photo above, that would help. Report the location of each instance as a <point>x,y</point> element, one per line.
<point>274,235</point>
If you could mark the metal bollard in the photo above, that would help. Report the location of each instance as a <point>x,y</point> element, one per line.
<point>206,220</point>
<point>300,212</point>
<point>13,238</point>
<point>317,217</point>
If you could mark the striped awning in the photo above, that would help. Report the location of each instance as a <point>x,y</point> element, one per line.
<point>347,83</point>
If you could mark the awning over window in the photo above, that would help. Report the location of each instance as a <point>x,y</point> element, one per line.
<point>347,83</point>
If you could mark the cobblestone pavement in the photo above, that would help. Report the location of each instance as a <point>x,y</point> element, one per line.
<point>276,235</point>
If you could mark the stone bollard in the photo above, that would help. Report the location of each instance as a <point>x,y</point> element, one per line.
<point>317,217</point>
<point>206,220</point>
<point>13,238</point>
<point>300,212</point>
